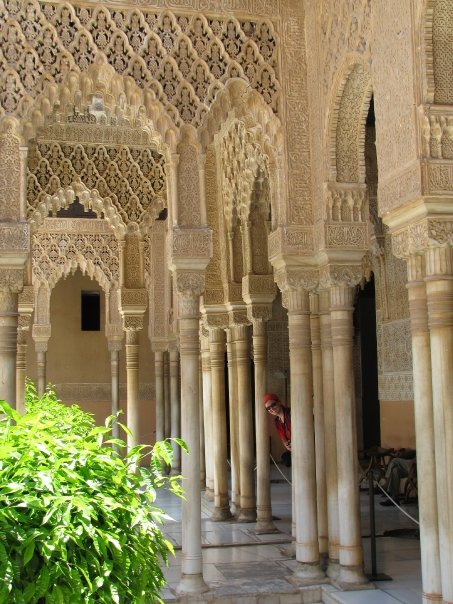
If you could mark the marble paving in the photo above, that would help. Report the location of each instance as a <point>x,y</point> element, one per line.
<point>241,566</point>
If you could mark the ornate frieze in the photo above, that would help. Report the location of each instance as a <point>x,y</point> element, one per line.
<point>437,177</point>
<point>191,243</point>
<point>399,188</point>
<point>299,190</point>
<point>182,59</point>
<point>56,253</point>
<point>10,174</point>
<point>132,178</point>
<point>256,286</point>
<point>11,280</point>
<point>14,236</point>
<point>289,241</point>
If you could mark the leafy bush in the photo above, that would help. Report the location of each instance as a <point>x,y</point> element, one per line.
<point>78,522</point>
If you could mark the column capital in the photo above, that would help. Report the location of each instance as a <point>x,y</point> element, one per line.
<point>190,284</point>
<point>258,289</point>
<point>11,279</point>
<point>133,303</point>
<point>340,274</point>
<point>41,335</point>
<point>342,297</point>
<point>289,277</point>
<point>296,301</point>
<point>190,248</point>
<point>439,263</point>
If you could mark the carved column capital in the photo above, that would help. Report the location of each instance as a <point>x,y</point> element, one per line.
<point>334,274</point>
<point>41,335</point>
<point>132,308</point>
<point>190,248</point>
<point>11,280</point>
<point>297,277</point>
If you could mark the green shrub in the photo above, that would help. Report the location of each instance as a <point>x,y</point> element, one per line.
<point>78,522</point>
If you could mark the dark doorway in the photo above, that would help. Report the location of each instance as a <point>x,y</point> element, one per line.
<point>365,322</point>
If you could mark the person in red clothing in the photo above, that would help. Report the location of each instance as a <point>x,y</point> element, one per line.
<point>282,417</point>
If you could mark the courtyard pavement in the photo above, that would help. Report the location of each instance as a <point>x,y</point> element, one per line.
<point>240,566</point>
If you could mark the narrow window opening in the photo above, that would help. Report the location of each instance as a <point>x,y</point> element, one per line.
<point>91,311</point>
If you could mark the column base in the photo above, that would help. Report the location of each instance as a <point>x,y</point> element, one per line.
<point>307,573</point>
<point>333,569</point>
<point>192,584</point>
<point>220,514</point>
<point>352,577</point>
<point>266,527</point>
<point>209,494</point>
<point>246,515</point>
<point>289,550</point>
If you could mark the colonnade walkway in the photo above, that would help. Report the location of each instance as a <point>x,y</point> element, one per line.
<point>245,568</point>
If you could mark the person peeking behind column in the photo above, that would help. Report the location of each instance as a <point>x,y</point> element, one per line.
<point>282,417</point>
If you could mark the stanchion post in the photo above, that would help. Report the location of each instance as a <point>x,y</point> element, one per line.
<point>374,576</point>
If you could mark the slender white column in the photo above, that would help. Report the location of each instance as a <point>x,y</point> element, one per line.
<point>439,289</point>
<point>424,430</point>
<point>192,566</point>
<point>8,346</point>
<point>330,429</point>
<point>41,368</point>
<point>133,398</point>
<point>217,352</point>
<point>167,403</point>
<point>234,424</point>
<point>201,416</point>
<point>351,555</point>
<point>114,348</point>
<point>247,501</point>
<point>264,523</point>
<point>302,435</point>
<point>21,370</point>
<point>175,408</point>
<point>207,415</point>
<point>318,409</point>
<point>160,398</point>
<point>41,335</point>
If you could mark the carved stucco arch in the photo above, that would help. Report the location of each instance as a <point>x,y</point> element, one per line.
<point>119,93</point>
<point>239,102</point>
<point>346,123</point>
<point>47,42</point>
<point>437,23</point>
<point>91,200</point>
<point>56,254</point>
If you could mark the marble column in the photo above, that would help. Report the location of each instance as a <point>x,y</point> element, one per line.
<point>439,290</point>
<point>21,369</point>
<point>330,430</point>
<point>234,425</point>
<point>25,309</point>
<point>160,398</point>
<point>302,435</point>
<point>167,403</point>
<point>350,547</point>
<point>175,408</point>
<point>8,345</point>
<point>201,416</point>
<point>264,522</point>
<point>207,415</point>
<point>217,352</point>
<point>114,348</point>
<point>247,500</point>
<point>133,397</point>
<point>318,414</point>
<point>191,565</point>
<point>424,430</point>
<point>41,336</point>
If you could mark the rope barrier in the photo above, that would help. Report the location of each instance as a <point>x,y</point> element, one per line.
<point>276,465</point>
<point>375,483</point>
